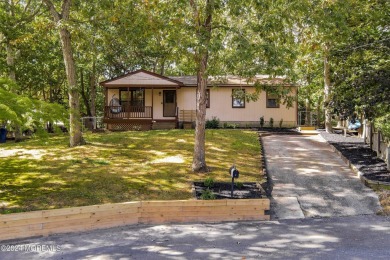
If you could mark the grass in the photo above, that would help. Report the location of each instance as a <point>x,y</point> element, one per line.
<point>384,197</point>
<point>383,192</point>
<point>44,173</point>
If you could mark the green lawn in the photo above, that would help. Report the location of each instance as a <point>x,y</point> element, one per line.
<point>116,167</point>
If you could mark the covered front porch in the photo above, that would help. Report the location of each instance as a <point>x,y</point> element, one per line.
<point>140,100</point>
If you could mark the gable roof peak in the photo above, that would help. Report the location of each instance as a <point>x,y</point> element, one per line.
<point>141,77</point>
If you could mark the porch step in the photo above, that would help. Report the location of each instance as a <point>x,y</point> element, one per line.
<point>307,128</point>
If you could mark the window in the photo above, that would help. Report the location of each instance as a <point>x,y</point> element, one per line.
<point>207,98</point>
<point>134,97</point>
<point>238,98</point>
<point>272,101</point>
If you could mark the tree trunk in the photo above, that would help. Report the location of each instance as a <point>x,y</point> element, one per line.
<point>76,137</point>
<point>162,67</point>
<point>10,61</point>
<point>8,47</point>
<point>308,112</point>
<point>12,75</point>
<point>371,135</point>
<point>75,134</point>
<point>84,94</point>
<point>92,89</point>
<point>327,91</point>
<point>199,160</point>
<point>18,133</point>
<point>203,33</point>
<point>340,122</point>
<point>319,114</point>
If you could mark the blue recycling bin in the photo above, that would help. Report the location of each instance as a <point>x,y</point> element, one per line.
<point>3,135</point>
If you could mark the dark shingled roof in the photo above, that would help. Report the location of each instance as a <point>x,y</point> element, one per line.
<point>190,81</point>
<point>231,80</point>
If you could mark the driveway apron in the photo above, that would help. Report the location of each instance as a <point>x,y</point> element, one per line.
<point>309,180</point>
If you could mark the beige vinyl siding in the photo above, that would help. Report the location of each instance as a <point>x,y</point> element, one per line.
<point>221,106</point>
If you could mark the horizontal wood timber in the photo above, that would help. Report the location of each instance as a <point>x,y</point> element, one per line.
<point>77,219</point>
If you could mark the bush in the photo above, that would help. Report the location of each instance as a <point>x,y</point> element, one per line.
<point>213,123</point>
<point>262,121</point>
<point>207,195</point>
<point>208,182</point>
<point>280,123</point>
<point>239,185</point>
<point>271,122</point>
<point>230,126</point>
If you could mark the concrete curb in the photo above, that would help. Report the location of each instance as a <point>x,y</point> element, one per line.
<point>361,176</point>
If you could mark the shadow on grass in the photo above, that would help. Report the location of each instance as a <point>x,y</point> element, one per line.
<point>116,167</point>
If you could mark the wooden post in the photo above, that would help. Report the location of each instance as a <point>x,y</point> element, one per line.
<point>128,103</point>
<point>152,102</point>
<point>106,95</point>
<point>364,130</point>
<point>371,135</point>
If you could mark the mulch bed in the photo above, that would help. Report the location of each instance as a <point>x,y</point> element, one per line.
<point>222,190</point>
<point>360,155</point>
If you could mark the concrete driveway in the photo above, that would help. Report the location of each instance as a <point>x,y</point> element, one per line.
<point>309,180</point>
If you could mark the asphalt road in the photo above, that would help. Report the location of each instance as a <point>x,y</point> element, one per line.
<point>310,180</point>
<point>357,237</point>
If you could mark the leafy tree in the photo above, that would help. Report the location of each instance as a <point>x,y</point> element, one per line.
<point>322,28</point>
<point>21,111</point>
<point>240,38</point>
<point>362,67</point>
<point>14,18</point>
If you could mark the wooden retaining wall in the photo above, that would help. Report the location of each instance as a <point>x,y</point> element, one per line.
<point>46,222</point>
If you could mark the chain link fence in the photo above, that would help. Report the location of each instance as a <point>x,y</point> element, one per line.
<point>92,123</point>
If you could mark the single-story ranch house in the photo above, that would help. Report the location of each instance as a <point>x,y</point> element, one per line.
<point>143,100</point>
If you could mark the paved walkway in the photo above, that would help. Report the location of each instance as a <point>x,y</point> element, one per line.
<point>312,181</point>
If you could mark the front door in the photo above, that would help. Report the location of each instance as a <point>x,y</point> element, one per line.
<point>169,104</point>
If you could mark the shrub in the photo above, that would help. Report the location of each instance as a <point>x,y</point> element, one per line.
<point>207,195</point>
<point>280,123</point>
<point>262,121</point>
<point>213,123</point>
<point>208,182</point>
<point>271,122</point>
<point>239,185</point>
<point>231,126</point>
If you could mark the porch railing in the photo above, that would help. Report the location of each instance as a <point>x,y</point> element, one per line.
<point>128,112</point>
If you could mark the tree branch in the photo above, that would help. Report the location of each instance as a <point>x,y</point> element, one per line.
<point>195,14</point>
<point>66,9</point>
<point>28,18</point>
<point>27,5</point>
<point>52,9</point>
